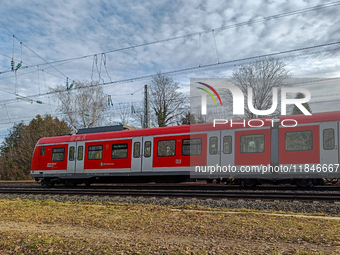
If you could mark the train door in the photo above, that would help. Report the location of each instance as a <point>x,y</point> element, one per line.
<point>329,143</point>
<point>227,148</point>
<point>147,154</point>
<point>136,160</point>
<point>142,148</point>
<point>80,157</point>
<point>71,162</point>
<point>214,148</point>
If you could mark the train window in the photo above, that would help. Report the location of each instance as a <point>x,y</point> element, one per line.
<point>120,150</point>
<point>58,154</point>
<point>328,139</point>
<point>136,150</point>
<point>213,144</point>
<point>147,149</point>
<point>299,141</point>
<point>42,151</point>
<point>252,143</point>
<point>71,154</point>
<point>227,149</point>
<point>192,146</point>
<point>166,148</point>
<point>80,153</point>
<point>95,152</point>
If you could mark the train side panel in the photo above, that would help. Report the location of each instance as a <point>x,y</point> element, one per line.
<point>252,147</point>
<point>299,145</point>
<point>179,151</point>
<point>172,150</point>
<point>51,158</point>
<point>106,156</point>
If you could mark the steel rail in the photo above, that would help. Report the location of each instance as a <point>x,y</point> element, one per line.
<point>175,186</point>
<point>310,196</point>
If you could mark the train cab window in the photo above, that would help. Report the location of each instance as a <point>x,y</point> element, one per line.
<point>299,141</point>
<point>58,154</point>
<point>227,149</point>
<point>71,154</point>
<point>136,150</point>
<point>147,149</point>
<point>119,150</point>
<point>80,153</point>
<point>95,152</point>
<point>252,143</point>
<point>192,146</point>
<point>328,139</point>
<point>213,144</point>
<point>166,148</point>
<point>42,151</point>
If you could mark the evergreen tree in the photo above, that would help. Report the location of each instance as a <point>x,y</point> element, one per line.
<point>17,149</point>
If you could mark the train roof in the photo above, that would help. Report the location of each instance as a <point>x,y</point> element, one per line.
<point>301,119</point>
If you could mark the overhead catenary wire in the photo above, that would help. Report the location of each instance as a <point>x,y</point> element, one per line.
<point>7,114</point>
<point>14,37</point>
<point>107,110</point>
<point>218,60</point>
<point>36,70</point>
<point>118,105</point>
<point>173,72</point>
<point>202,67</point>
<point>252,21</point>
<point>103,59</point>
<point>212,67</point>
<point>5,56</point>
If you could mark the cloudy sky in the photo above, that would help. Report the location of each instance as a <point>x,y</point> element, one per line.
<point>112,41</point>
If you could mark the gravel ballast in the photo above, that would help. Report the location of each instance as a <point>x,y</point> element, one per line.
<point>279,205</point>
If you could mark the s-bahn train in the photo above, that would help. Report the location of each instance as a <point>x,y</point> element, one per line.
<point>169,153</point>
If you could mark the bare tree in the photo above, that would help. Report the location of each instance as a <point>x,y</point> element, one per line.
<point>124,113</point>
<point>187,118</point>
<point>166,101</point>
<point>262,76</point>
<point>137,114</point>
<point>83,105</point>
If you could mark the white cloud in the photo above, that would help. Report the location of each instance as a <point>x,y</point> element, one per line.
<point>59,30</point>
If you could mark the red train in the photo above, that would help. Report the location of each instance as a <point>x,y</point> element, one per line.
<point>170,153</point>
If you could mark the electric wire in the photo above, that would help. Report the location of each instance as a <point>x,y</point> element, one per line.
<point>192,69</point>
<point>46,62</point>
<point>252,21</point>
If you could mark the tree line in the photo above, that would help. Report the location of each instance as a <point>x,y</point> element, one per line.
<point>16,151</point>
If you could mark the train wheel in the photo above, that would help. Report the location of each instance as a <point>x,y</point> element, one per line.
<point>248,183</point>
<point>49,184</point>
<point>304,183</point>
<point>69,183</point>
<point>73,184</point>
<point>43,183</point>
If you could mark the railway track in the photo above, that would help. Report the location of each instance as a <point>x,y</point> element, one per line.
<point>179,186</point>
<point>200,194</point>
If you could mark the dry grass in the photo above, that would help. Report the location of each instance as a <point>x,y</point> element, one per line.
<point>18,181</point>
<point>49,227</point>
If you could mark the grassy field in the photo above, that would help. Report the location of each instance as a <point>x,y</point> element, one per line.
<point>49,227</point>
